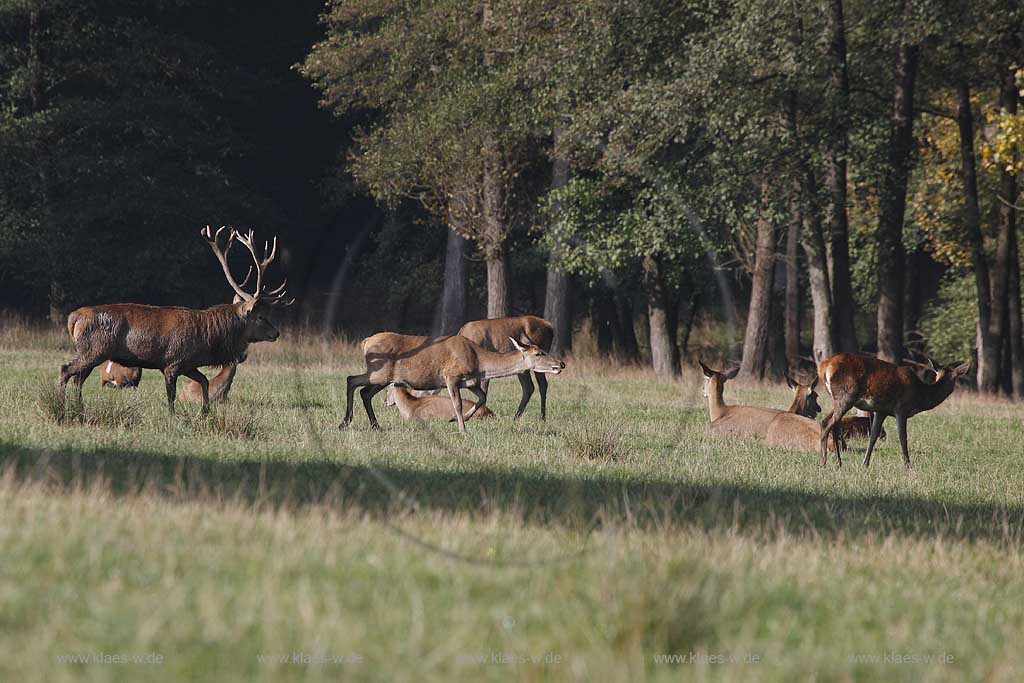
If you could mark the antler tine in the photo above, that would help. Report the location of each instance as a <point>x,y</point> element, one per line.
<point>213,239</point>
<point>247,241</point>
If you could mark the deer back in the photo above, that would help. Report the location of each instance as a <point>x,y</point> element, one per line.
<point>417,362</point>
<point>493,334</point>
<point>795,432</point>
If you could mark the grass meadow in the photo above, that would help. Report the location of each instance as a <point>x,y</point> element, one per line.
<point>262,544</point>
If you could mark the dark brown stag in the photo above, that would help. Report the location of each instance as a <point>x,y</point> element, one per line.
<point>176,340</point>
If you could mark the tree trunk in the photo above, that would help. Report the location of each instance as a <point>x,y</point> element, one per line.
<point>1008,224</point>
<point>972,223</point>
<point>495,239</point>
<point>755,341</point>
<point>1016,331</point>
<point>892,205</point>
<point>817,270</point>
<point>605,320</point>
<point>805,193</point>
<point>558,293</point>
<point>691,317</point>
<point>662,336</point>
<point>835,158</point>
<point>453,294</point>
<point>791,324</point>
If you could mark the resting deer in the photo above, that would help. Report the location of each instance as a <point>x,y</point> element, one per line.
<point>495,335</point>
<point>428,407</point>
<point>220,385</point>
<point>117,375</point>
<point>175,340</point>
<point>883,389</point>
<point>733,420</point>
<point>454,363</point>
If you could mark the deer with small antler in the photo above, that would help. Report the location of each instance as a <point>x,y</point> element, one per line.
<point>883,389</point>
<point>176,340</point>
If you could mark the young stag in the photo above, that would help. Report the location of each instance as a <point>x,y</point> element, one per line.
<point>427,407</point>
<point>117,375</point>
<point>883,389</point>
<point>453,363</point>
<point>496,334</point>
<point>733,420</point>
<point>175,340</point>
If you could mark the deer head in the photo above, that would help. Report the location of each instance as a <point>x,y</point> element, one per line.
<point>537,359</point>
<point>805,397</point>
<point>714,381</point>
<point>255,307</point>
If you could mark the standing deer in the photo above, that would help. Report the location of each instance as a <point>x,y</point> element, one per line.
<point>454,363</point>
<point>117,375</point>
<point>176,340</point>
<point>496,334</point>
<point>883,389</point>
<point>412,407</point>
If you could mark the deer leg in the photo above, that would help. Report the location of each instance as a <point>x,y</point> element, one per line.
<point>832,423</point>
<point>351,382</point>
<point>542,384</point>
<point>171,383</point>
<point>527,383</point>
<point>876,428</point>
<point>367,393</point>
<point>481,396</point>
<point>204,384</point>
<point>901,426</point>
<point>456,397</point>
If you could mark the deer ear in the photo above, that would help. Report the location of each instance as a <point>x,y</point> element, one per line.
<point>962,369</point>
<point>247,306</point>
<point>526,341</point>
<point>519,347</point>
<point>732,373</point>
<point>708,372</point>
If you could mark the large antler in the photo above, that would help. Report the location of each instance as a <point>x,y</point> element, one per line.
<point>213,239</point>
<point>275,296</point>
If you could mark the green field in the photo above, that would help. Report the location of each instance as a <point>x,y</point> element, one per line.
<point>596,543</point>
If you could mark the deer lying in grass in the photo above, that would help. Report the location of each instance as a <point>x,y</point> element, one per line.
<point>883,389</point>
<point>175,340</point>
<point>733,420</point>
<point>428,407</point>
<point>454,363</point>
<point>220,385</point>
<point>117,375</point>
<point>798,428</point>
<point>495,335</point>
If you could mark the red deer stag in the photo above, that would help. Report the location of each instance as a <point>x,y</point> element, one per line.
<point>412,407</point>
<point>496,334</point>
<point>176,340</point>
<point>453,363</point>
<point>883,389</point>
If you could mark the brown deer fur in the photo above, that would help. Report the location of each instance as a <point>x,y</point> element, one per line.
<point>856,380</point>
<point>434,362</point>
<point>733,420</point>
<point>495,335</point>
<point>429,407</point>
<point>176,340</point>
<point>220,385</point>
<point>117,375</point>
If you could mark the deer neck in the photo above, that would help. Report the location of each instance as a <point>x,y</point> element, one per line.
<point>493,364</point>
<point>405,402</point>
<point>797,406</point>
<point>927,396</point>
<point>716,404</point>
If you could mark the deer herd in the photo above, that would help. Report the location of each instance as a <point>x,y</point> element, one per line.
<point>124,339</point>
